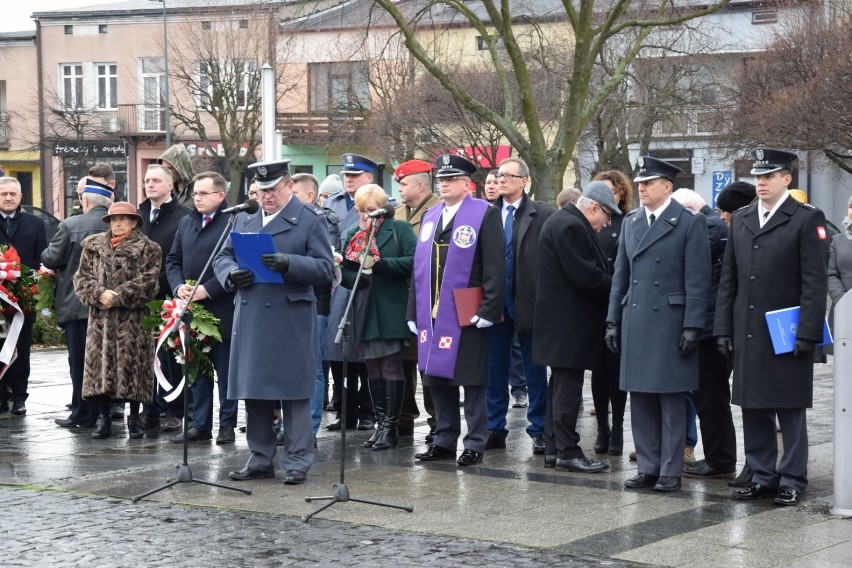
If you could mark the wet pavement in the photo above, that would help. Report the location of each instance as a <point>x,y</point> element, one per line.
<point>66,500</point>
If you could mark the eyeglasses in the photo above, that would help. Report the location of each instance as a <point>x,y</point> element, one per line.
<point>270,190</point>
<point>197,194</point>
<point>606,212</point>
<point>506,176</point>
<point>365,211</point>
<point>253,194</point>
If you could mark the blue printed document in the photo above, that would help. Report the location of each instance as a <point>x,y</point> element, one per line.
<point>248,248</point>
<point>782,329</point>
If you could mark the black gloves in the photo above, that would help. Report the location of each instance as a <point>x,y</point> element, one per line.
<point>688,341</point>
<point>365,281</point>
<point>611,337</point>
<point>241,277</point>
<point>804,348</point>
<point>380,267</point>
<point>725,346</point>
<point>276,261</point>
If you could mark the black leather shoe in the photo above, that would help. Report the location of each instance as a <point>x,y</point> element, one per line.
<point>65,423</point>
<point>226,435</point>
<point>436,453</point>
<point>366,424</point>
<point>667,484</point>
<point>538,445</point>
<point>19,408</point>
<point>786,496</point>
<point>294,477</point>
<point>753,492</point>
<point>495,441</point>
<point>430,437</point>
<point>744,478</point>
<point>192,435</point>
<point>641,480</point>
<point>703,470</point>
<point>580,465</point>
<point>550,460</point>
<point>470,457</point>
<point>250,473</point>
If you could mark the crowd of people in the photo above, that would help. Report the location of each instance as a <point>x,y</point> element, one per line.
<point>470,299</point>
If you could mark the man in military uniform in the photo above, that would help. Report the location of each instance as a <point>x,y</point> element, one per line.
<point>776,259</point>
<point>274,339</point>
<point>460,246</point>
<point>661,283</point>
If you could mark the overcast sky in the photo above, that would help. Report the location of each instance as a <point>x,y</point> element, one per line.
<point>16,14</point>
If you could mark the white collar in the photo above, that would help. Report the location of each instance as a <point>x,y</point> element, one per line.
<point>656,212</point>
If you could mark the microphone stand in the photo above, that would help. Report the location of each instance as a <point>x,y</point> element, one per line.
<point>341,491</point>
<point>184,471</point>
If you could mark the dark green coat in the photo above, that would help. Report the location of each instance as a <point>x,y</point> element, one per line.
<point>388,291</point>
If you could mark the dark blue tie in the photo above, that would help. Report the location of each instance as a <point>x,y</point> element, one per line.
<point>507,236</point>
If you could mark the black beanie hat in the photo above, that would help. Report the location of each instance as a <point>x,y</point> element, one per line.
<point>738,194</point>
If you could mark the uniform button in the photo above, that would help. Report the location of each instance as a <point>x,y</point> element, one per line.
<point>751,278</point>
<point>655,308</point>
<point>658,261</point>
<point>615,235</point>
<point>243,302</point>
<point>751,307</point>
<point>634,305</point>
<point>750,336</point>
<point>267,305</point>
<point>756,247</point>
<point>636,282</point>
<point>656,283</point>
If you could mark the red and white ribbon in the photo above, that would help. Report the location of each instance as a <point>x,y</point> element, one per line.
<point>9,352</point>
<point>171,321</point>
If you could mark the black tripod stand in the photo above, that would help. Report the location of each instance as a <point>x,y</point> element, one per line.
<point>341,491</point>
<point>184,471</point>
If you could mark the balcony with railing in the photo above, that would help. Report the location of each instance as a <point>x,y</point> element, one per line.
<point>315,129</point>
<point>136,120</point>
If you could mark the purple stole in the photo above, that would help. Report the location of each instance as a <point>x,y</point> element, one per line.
<point>438,341</point>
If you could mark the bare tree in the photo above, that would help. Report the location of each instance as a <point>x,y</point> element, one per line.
<point>509,33</point>
<point>795,93</point>
<point>215,73</point>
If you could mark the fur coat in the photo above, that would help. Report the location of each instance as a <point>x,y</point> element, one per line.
<point>119,352</point>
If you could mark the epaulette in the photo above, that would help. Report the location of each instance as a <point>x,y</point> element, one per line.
<point>630,213</point>
<point>313,209</point>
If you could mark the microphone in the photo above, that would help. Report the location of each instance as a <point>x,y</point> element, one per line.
<point>386,212</point>
<point>250,206</point>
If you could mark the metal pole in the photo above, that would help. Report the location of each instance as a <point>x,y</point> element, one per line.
<point>279,143</point>
<point>267,74</point>
<point>842,406</point>
<point>166,87</point>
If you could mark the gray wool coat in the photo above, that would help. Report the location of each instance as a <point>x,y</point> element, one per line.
<point>660,287</point>
<point>274,338</point>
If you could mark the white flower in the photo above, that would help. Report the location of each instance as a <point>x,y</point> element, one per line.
<point>179,357</point>
<point>206,349</point>
<point>201,336</point>
<point>46,312</point>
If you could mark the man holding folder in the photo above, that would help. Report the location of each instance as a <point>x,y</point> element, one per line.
<point>274,339</point>
<point>775,259</point>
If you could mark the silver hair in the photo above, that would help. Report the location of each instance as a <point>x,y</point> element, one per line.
<point>9,180</point>
<point>96,199</point>
<point>689,198</point>
<point>584,203</point>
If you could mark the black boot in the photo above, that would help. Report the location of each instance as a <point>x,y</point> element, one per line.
<point>602,440</point>
<point>134,426</point>
<point>389,436</point>
<point>616,439</point>
<point>377,393</point>
<point>103,427</point>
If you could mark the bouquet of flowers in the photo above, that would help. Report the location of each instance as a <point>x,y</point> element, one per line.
<point>204,329</point>
<point>18,290</point>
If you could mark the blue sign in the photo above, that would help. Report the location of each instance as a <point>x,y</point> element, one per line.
<point>721,180</point>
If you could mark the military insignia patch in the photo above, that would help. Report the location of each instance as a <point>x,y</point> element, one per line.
<point>426,231</point>
<point>464,236</point>
<point>758,154</point>
<point>641,161</point>
<point>821,233</point>
<point>262,170</point>
<point>446,159</point>
<point>445,343</point>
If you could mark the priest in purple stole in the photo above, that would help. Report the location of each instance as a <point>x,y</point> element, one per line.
<point>460,246</point>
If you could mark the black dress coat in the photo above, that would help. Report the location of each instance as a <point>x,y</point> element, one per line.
<point>191,248</point>
<point>488,271</point>
<point>781,265</point>
<point>573,289</point>
<point>529,219</point>
<point>162,232</point>
<point>27,235</point>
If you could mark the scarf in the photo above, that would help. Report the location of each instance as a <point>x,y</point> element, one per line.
<point>357,244</point>
<point>115,241</point>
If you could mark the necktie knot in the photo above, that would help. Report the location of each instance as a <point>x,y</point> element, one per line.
<point>651,219</point>
<point>207,219</point>
<point>155,212</point>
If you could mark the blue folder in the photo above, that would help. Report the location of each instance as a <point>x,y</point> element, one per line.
<point>248,248</point>
<point>782,329</point>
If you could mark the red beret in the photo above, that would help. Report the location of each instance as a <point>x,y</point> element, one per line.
<point>412,167</point>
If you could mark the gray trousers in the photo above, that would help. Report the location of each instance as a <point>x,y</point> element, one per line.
<point>659,432</point>
<point>760,439</point>
<point>448,417</point>
<point>298,434</point>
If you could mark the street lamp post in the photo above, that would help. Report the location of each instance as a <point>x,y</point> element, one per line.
<point>168,126</point>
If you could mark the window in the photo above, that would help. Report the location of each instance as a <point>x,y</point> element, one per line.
<point>764,17</point>
<point>206,25</point>
<point>71,95</point>
<point>339,87</point>
<point>482,44</point>
<point>107,85</point>
<point>153,116</point>
<point>69,30</point>
<point>243,24</point>
<point>102,28</point>
<point>226,84</point>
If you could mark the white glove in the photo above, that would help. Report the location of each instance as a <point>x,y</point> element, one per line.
<point>481,323</point>
<point>413,327</point>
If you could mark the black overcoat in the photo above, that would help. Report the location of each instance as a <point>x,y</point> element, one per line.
<point>573,289</point>
<point>781,265</point>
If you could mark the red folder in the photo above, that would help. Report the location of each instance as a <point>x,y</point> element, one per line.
<point>468,301</point>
